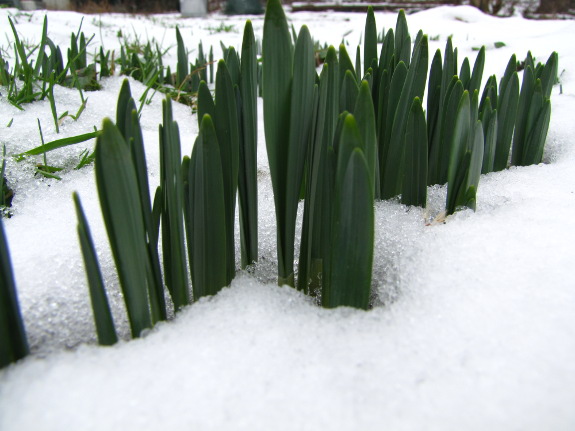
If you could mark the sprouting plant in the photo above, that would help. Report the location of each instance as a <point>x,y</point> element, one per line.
<point>222,28</point>
<point>288,101</point>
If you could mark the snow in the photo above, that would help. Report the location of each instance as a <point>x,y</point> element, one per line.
<point>474,328</point>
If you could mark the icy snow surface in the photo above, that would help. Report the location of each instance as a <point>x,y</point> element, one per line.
<point>475,324</point>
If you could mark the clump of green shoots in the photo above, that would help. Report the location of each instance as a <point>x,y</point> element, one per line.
<point>33,79</point>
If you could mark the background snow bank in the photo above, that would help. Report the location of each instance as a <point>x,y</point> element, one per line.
<point>477,330</point>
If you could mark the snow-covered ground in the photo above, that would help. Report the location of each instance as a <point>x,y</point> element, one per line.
<point>475,328</point>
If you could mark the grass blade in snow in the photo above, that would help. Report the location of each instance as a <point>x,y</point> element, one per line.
<point>532,124</point>
<point>59,143</point>
<point>129,125</point>
<point>345,64</point>
<point>466,159</point>
<point>353,226</point>
<point>287,105</point>
<point>433,94</point>
<point>489,123</point>
<point>391,94</point>
<point>277,77</point>
<point>365,118</point>
<point>206,103</point>
<point>414,190</point>
<point>402,40</point>
<point>227,128</point>
<point>370,44</point>
<point>182,66</point>
<point>348,93</point>
<point>414,86</point>
<point>317,206</point>
<point>247,181</point>
<point>102,316</point>
<point>506,114</point>
<point>173,245</point>
<point>208,214</point>
<point>299,136</point>
<point>538,117</point>
<point>13,343</point>
<point>121,207</point>
<point>477,75</point>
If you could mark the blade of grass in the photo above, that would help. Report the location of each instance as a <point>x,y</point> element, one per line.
<point>102,315</point>
<point>13,342</point>
<point>121,207</point>
<point>247,181</point>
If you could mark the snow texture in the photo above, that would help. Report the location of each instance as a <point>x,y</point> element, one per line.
<point>474,327</point>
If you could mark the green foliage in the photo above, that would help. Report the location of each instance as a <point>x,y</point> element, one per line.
<point>316,230</point>
<point>207,214</point>
<point>413,86</point>
<point>121,207</point>
<point>172,194</point>
<point>506,114</point>
<point>13,342</point>
<point>228,133</point>
<point>102,316</point>
<point>353,225</point>
<point>466,158</point>
<point>414,189</point>
<point>247,180</point>
<point>534,111</point>
<point>288,101</point>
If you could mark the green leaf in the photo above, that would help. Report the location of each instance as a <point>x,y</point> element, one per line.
<point>414,86</point>
<point>173,244</point>
<point>247,182</point>
<point>59,143</point>
<point>121,207</point>
<point>449,113</point>
<point>386,53</point>
<point>365,115</point>
<point>13,342</point>
<point>489,92</point>
<point>182,66</point>
<point>102,315</point>
<point>394,93</point>
<point>345,63</point>
<point>353,231</point>
<point>475,164</point>
<point>402,50</point>
<point>549,75</point>
<point>370,43</point>
<point>506,115</point>
<point>206,103</point>
<point>523,108</point>
<point>414,190</point>
<point>232,61</point>
<point>433,94</point>
<point>348,92</point>
<point>489,122</point>
<point>465,73</point>
<point>315,245</point>
<point>299,137</point>
<point>477,75</point>
<point>358,61</point>
<point>208,243</point>
<point>227,128</point>
<point>133,135</point>
<point>539,117</point>
<point>459,147</point>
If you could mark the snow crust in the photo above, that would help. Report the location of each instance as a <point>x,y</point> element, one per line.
<point>475,324</point>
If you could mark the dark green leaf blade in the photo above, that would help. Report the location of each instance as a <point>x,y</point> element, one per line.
<point>102,315</point>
